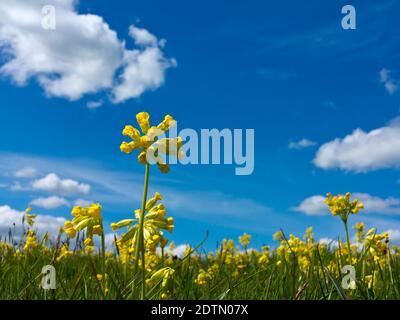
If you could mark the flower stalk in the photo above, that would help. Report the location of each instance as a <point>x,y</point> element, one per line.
<point>139,246</point>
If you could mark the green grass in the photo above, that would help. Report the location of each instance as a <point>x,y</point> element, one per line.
<point>20,276</point>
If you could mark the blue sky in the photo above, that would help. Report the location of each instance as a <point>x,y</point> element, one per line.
<point>287,70</point>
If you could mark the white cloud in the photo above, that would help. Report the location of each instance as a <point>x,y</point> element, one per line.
<point>26,172</point>
<point>391,85</point>
<point>49,202</point>
<point>82,203</point>
<point>67,187</point>
<point>143,71</point>
<point>179,251</point>
<point>142,37</point>
<point>362,151</point>
<point>83,55</point>
<point>315,205</point>
<point>94,104</point>
<point>44,223</point>
<point>303,143</point>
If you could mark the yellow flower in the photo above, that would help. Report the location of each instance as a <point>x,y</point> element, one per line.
<point>121,224</point>
<point>76,211</point>
<point>148,144</point>
<point>202,278</point>
<point>71,232</point>
<point>342,205</point>
<point>95,211</point>
<point>245,240</point>
<point>31,241</point>
<point>126,147</point>
<point>143,121</point>
<point>97,230</point>
<point>88,242</point>
<point>131,132</point>
<point>278,236</point>
<point>68,224</point>
<point>167,123</point>
<point>163,275</point>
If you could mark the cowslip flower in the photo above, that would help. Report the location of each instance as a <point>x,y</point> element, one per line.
<point>163,276</point>
<point>245,240</point>
<point>342,205</point>
<point>30,218</point>
<point>31,241</point>
<point>155,221</point>
<point>149,145</point>
<point>88,219</point>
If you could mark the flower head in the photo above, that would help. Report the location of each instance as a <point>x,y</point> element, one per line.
<point>149,144</point>
<point>343,206</point>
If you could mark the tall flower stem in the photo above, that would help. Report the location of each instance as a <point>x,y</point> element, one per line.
<point>347,238</point>
<point>140,236</point>
<point>103,254</point>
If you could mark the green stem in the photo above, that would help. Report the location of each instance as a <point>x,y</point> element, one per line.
<point>103,255</point>
<point>139,246</point>
<point>347,239</point>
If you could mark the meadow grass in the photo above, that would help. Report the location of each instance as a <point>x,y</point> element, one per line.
<point>297,269</point>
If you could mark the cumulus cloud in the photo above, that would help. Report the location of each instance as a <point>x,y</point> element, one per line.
<point>44,223</point>
<point>68,187</point>
<point>83,55</point>
<point>143,71</point>
<point>315,205</point>
<point>391,85</point>
<point>362,151</point>
<point>301,144</point>
<point>82,203</point>
<point>51,202</point>
<point>26,172</point>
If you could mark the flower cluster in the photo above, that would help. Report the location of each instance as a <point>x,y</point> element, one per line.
<point>155,221</point>
<point>342,205</point>
<point>162,276</point>
<point>150,144</point>
<point>89,219</point>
